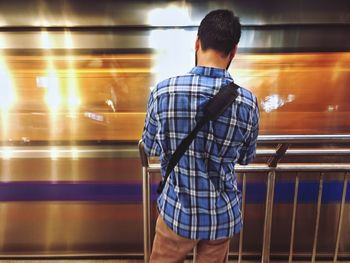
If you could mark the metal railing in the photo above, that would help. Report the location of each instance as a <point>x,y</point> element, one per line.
<point>272,167</point>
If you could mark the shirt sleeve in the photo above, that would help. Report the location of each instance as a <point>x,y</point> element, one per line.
<point>248,151</point>
<point>150,130</point>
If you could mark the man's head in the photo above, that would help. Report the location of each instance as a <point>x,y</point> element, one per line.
<point>220,30</point>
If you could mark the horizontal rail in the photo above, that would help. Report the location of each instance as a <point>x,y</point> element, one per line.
<point>72,152</point>
<point>131,152</point>
<point>345,151</point>
<point>339,167</point>
<point>325,138</point>
<point>305,152</point>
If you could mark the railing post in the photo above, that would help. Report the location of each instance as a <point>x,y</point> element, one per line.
<point>271,178</point>
<point>295,203</point>
<point>146,204</point>
<point>268,216</point>
<point>241,235</point>
<point>340,218</point>
<point>146,215</point>
<point>317,223</point>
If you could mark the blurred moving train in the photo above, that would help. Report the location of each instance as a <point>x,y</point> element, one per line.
<point>75,78</point>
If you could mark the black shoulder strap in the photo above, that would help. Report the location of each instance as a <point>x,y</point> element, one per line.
<point>212,110</point>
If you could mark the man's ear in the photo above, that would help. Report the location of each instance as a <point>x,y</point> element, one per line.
<point>197,44</point>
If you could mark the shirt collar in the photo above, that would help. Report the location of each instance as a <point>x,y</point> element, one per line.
<point>211,72</point>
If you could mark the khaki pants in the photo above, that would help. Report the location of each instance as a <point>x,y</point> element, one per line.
<point>168,247</point>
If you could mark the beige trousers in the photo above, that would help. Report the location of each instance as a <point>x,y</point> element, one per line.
<point>168,247</point>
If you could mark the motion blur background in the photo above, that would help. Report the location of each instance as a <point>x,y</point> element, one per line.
<point>74,82</point>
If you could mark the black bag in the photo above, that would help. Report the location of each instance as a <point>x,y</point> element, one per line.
<point>212,110</point>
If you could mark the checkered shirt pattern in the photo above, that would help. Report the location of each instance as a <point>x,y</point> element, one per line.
<point>201,199</point>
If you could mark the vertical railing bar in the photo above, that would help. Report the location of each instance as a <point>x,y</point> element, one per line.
<point>241,235</point>
<point>295,202</point>
<point>146,214</point>
<point>146,203</point>
<point>268,216</point>
<point>340,219</point>
<point>194,254</point>
<point>318,212</point>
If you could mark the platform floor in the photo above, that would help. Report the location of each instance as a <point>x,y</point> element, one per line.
<point>131,261</point>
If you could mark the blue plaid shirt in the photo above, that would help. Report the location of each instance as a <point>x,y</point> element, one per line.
<point>200,199</point>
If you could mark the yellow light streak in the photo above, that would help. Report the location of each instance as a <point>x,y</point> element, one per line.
<point>7,94</point>
<point>68,41</point>
<point>73,96</point>
<point>54,153</point>
<point>74,153</point>
<point>7,91</point>
<point>45,40</point>
<point>53,96</point>
<point>73,100</point>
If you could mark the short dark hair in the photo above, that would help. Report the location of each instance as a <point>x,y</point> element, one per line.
<point>220,30</point>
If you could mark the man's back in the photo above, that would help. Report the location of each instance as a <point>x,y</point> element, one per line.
<point>201,199</point>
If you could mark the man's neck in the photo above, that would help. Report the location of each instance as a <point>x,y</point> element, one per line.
<point>213,59</point>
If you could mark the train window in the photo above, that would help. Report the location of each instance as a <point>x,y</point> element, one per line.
<point>103,97</point>
<point>74,97</point>
<point>298,93</point>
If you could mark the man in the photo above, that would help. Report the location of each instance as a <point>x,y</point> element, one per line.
<point>200,203</point>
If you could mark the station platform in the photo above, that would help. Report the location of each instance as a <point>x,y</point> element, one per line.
<point>131,261</point>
